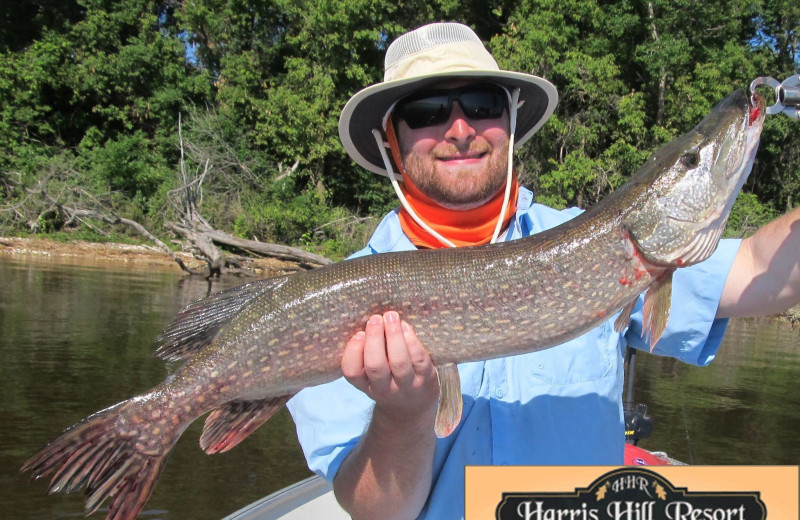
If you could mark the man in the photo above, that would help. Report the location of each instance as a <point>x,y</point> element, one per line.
<point>447,116</point>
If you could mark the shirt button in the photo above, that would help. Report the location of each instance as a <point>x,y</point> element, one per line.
<point>499,392</point>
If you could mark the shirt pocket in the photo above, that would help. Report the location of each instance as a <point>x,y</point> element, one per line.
<point>590,357</point>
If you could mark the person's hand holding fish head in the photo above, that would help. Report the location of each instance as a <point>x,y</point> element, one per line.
<point>388,362</point>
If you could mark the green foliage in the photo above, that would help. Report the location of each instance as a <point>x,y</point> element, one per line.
<point>91,91</point>
<point>747,215</point>
<point>127,164</point>
<point>90,235</point>
<point>306,220</point>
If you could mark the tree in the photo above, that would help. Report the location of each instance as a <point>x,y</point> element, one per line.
<point>95,88</point>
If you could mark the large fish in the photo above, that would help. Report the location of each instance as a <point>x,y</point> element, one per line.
<point>250,348</point>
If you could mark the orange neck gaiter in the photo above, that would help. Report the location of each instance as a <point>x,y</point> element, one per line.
<point>463,227</point>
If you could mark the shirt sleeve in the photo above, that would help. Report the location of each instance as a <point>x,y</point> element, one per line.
<point>693,333</point>
<point>328,429</point>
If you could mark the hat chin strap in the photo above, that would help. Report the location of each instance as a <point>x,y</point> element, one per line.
<point>512,126</point>
<point>382,148</point>
<point>514,99</point>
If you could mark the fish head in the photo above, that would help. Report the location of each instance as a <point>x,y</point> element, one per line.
<point>689,186</point>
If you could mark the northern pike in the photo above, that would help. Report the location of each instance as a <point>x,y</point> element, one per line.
<point>247,350</point>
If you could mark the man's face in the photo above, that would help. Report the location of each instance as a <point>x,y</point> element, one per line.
<point>460,163</point>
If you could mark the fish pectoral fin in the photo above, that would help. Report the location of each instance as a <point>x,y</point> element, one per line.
<point>198,324</point>
<point>448,415</point>
<point>232,422</point>
<point>657,302</point>
<point>624,319</point>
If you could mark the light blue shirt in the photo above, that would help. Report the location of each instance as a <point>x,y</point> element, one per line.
<point>558,406</point>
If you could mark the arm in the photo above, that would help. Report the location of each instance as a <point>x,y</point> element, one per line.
<point>765,276</point>
<point>389,473</point>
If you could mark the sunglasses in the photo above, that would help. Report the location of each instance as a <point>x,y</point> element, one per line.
<point>433,107</point>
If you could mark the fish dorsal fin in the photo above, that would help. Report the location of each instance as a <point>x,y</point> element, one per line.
<point>232,422</point>
<point>200,322</point>
<point>657,302</point>
<point>448,415</point>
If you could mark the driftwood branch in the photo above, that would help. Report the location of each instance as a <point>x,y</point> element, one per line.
<point>112,219</point>
<point>185,201</point>
<point>271,250</point>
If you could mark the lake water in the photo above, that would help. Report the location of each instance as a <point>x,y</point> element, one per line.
<point>75,338</point>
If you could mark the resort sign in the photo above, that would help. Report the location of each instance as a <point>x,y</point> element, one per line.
<point>631,494</point>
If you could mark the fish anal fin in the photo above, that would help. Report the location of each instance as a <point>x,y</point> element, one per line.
<point>624,318</point>
<point>232,422</point>
<point>448,415</point>
<point>657,302</point>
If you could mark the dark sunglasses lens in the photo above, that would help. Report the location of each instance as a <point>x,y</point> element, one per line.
<point>483,104</point>
<point>428,109</point>
<point>425,111</point>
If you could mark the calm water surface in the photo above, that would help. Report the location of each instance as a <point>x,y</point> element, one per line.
<point>77,338</point>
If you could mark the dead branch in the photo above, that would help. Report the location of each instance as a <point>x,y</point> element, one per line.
<point>112,219</point>
<point>662,77</point>
<point>272,250</point>
<point>185,201</point>
<point>350,218</point>
<point>285,172</point>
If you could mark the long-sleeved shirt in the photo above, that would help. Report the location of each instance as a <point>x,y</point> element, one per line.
<point>558,406</point>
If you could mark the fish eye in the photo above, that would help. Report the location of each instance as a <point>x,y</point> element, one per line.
<point>690,159</point>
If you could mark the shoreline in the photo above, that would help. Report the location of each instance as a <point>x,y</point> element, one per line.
<point>144,256</point>
<point>139,255</point>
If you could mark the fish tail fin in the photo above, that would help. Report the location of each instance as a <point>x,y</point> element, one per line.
<point>232,422</point>
<point>108,454</point>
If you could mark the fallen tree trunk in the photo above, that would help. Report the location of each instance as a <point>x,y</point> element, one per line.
<point>204,247</point>
<point>185,201</point>
<point>205,239</point>
<point>271,250</point>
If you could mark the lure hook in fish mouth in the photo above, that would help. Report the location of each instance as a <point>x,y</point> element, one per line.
<point>757,106</point>
<point>787,95</point>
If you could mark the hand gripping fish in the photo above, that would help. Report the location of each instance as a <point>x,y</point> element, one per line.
<point>247,350</point>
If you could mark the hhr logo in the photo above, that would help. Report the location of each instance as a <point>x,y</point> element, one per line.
<point>632,494</point>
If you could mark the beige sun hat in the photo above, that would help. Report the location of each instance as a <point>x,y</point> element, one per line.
<point>426,56</point>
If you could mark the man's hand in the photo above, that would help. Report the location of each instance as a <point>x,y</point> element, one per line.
<point>388,474</point>
<point>388,363</point>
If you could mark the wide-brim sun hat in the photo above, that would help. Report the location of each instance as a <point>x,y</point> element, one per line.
<point>426,56</point>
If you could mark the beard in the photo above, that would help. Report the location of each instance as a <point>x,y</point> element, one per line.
<point>463,188</point>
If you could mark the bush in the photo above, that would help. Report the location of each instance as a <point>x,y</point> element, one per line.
<point>128,165</point>
<point>747,215</point>
<point>304,219</point>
